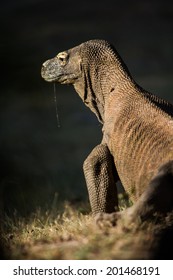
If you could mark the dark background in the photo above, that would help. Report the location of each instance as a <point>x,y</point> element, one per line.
<point>38,159</point>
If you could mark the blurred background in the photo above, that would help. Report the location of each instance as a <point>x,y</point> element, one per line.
<point>41,164</point>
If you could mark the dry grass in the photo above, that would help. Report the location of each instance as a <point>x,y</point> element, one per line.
<point>73,235</point>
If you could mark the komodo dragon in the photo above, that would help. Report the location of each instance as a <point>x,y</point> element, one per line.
<point>137,144</point>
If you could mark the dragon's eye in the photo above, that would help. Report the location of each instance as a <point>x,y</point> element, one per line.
<point>62,57</point>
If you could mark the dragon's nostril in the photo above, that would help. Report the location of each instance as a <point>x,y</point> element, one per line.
<point>45,63</point>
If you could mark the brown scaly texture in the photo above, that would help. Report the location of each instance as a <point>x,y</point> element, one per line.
<point>137,145</point>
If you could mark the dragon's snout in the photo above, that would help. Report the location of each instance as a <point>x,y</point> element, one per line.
<point>51,70</point>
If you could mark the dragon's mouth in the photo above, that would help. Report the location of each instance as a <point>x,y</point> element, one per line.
<point>51,77</point>
<point>61,78</point>
<point>48,78</point>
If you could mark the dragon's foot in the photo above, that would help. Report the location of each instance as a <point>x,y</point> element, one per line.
<point>107,219</point>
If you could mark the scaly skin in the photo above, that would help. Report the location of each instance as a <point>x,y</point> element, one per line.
<point>137,144</point>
